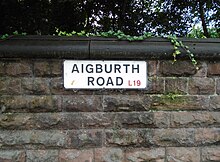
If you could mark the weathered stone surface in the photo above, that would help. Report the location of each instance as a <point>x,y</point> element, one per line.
<point>12,156</point>
<point>211,154</point>
<point>19,69</point>
<point>85,138</point>
<point>135,120</point>
<point>123,138</point>
<point>3,85</point>
<point>215,103</point>
<point>16,121</point>
<point>195,119</point>
<point>218,86</point>
<point>202,71</point>
<point>129,137</point>
<point>109,155</point>
<point>72,155</point>
<point>42,69</point>
<point>152,67</point>
<point>33,139</point>
<point>9,85</point>
<point>2,68</point>
<point>13,103</point>
<point>173,137</point>
<point>214,68</point>
<point>39,115</point>
<point>124,103</point>
<point>42,155</point>
<point>201,86</point>
<point>14,86</point>
<point>30,103</point>
<point>180,68</point>
<point>69,120</point>
<point>83,103</point>
<point>44,103</point>
<point>63,121</point>
<point>207,136</point>
<point>57,86</point>
<point>35,86</point>
<point>176,102</point>
<point>176,85</point>
<point>183,154</point>
<point>99,120</point>
<point>56,68</point>
<point>141,155</point>
<point>155,85</point>
<point>162,119</point>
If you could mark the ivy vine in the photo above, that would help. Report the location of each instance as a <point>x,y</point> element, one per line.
<point>177,44</point>
<point>5,36</point>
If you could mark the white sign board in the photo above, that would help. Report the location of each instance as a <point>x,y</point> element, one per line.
<point>81,74</point>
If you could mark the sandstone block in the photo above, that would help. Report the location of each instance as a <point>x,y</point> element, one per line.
<point>82,103</point>
<point>135,120</point>
<point>124,103</point>
<point>30,103</point>
<point>85,139</point>
<point>35,86</point>
<point>218,86</point>
<point>162,119</point>
<point>42,155</point>
<point>180,68</point>
<point>44,103</point>
<point>202,86</point>
<point>109,155</point>
<point>19,69</point>
<point>147,154</point>
<point>176,86</point>
<point>207,136</point>
<point>152,68</point>
<point>211,154</point>
<point>99,120</point>
<point>33,139</point>
<point>12,156</point>
<point>14,86</point>
<point>214,68</point>
<point>2,68</point>
<point>173,137</point>
<point>57,86</point>
<point>155,85</point>
<point>73,155</point>
<point>202,71</point>
<point>14,121</point>
<point>13,103</point>
<point>195,119</point>
<point>3,85</point>
<point>215,103</point>
<point>123,138</point>
<point>42,69</point>
<point>177,154</point>
<point>176,102</point>
<point>56,68</point>
<point>61,121</point>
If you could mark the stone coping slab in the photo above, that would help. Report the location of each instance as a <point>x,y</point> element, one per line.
<point>97,48</point>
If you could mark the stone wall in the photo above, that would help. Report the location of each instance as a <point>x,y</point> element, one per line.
<point>176,119</point>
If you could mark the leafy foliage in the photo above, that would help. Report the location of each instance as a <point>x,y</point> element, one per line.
<point>177,44</point>
<point>198,33</point>
<point>5,36</point>
<point>133,17</point>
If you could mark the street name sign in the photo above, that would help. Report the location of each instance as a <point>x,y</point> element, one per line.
<point>87,74</point>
